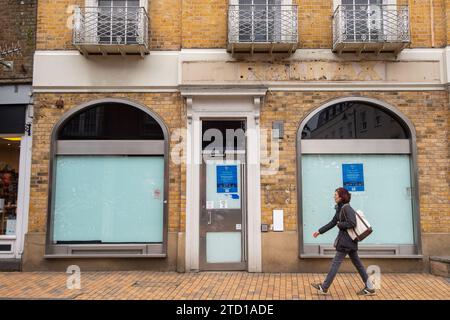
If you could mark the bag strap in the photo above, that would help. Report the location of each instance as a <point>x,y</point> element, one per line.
<point>354,230</point>
<point>356,212</point>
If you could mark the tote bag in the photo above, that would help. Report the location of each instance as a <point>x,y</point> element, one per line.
<point>362,229</point>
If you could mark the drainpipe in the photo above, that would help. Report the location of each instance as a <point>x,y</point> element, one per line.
<point>432,23</point>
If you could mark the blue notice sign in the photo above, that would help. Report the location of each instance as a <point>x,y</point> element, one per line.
<point>227,179</point>
<point>353,176</point>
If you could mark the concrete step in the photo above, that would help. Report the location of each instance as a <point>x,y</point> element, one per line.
<point>440,266</point>
<point>10,265</point>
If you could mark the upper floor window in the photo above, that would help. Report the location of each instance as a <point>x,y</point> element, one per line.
<point>363,19</point>
<point>111,27</point>
<point>262,25</point>
<point>370,26</point>
<point>257,20</point>
<point>117,21</point>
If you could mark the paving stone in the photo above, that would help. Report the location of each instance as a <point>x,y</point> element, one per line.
<point>229,286</point>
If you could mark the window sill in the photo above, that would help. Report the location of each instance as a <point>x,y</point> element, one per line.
<point>106,251</point>
<point>96,256</point>
<point>5,237</point>
<point>364,256</point>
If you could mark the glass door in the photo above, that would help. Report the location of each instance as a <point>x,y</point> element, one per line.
<point>222,216</point>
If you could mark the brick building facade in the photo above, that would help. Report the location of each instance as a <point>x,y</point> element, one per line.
<point>196,73</point>
<point>18,29</point>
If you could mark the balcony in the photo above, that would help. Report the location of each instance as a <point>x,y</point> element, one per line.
<point>111,30</point>
<point>370,28</point>
<point>262,28</point>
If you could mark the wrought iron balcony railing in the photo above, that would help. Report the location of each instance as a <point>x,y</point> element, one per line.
<point>265,27</point>
<point>111,30</point>
<point>371,28</point>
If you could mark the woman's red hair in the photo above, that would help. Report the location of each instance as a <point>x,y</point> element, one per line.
<point>344,195</point>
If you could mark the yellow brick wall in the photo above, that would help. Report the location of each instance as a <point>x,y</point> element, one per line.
<point>429,113</point>
<point>18,29</point>
<point>168,106</point>
<point>421,17</point>
<point>165,24</point>
<point>53,21</point>
<point>204,24</point>
<point>447,18</point>
<point>315,21</point>
<point>440,23</point>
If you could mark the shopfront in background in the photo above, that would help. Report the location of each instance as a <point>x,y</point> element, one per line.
<point>15,151</point>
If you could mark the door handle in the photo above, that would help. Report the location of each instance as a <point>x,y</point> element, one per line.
<point>209,217</point>
<point>409,192</point>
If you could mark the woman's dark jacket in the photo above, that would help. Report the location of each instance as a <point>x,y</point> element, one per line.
<point>343,220</point>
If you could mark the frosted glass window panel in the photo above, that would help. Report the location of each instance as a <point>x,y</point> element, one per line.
<point>223,247</point>
<point>109,199</point>
<point>217,196</point>
<point>10,227</point>
<point>386,201</point>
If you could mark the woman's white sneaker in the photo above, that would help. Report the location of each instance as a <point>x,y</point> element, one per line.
<point>319,288</point>
<point>366,292</point>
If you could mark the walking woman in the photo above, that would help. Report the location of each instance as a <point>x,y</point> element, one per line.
<point>344,218</point>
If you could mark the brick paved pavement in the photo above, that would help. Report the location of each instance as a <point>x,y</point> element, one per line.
<point>214,285</point>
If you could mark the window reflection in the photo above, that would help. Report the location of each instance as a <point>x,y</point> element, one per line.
<point>361,120</point>
<point>223,135</point>
<point>111,122</point>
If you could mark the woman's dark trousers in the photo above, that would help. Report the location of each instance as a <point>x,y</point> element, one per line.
<point>338,258</point>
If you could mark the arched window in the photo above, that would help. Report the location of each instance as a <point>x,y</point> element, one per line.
<point>369,148</point>
<point>109,182</point>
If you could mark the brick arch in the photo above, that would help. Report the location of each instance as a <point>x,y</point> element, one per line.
<point>53,152</point>
<point>401,117</point>
<point>404,121</point>
<point>73,111</point>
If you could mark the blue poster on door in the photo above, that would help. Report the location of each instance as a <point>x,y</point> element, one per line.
<point>227,179</point>
<point>353,176</point>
